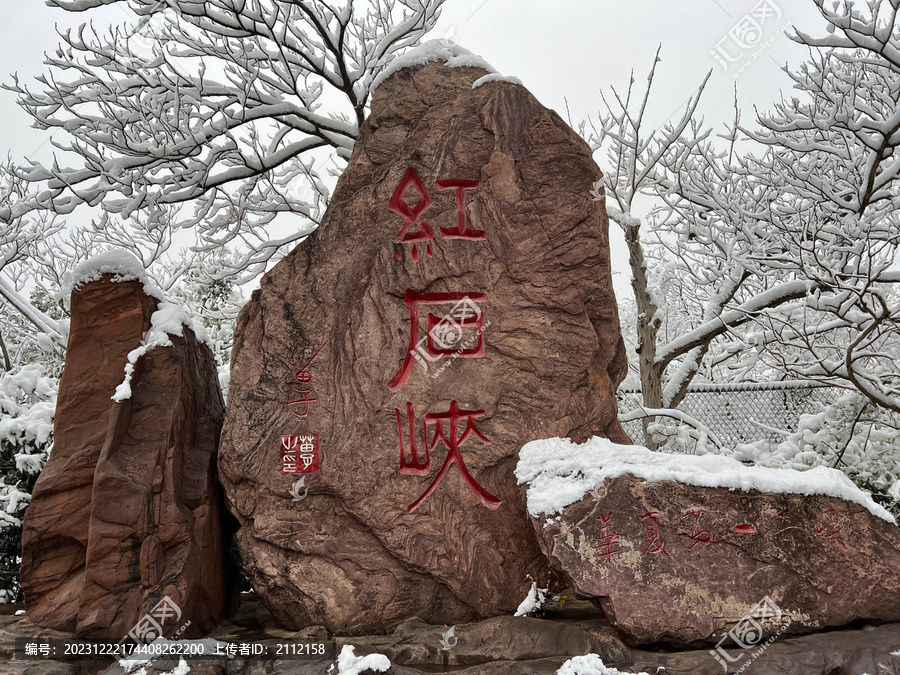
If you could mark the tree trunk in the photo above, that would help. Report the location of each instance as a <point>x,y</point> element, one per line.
<point>648,324</point>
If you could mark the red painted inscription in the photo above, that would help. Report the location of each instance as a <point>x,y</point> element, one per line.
<point>416,467</point>
<point>608,538</point>
<point>300,453</point>
<point>656,544</point>
<point>437,345</point>
<point>303,376</point>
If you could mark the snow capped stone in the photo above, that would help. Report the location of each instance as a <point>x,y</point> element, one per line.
<point>121,264</point>
<point>449,53</point>
<point>534,600</point>
<point>560,473</point>
<point>168,319</point>
<point>495,77</point>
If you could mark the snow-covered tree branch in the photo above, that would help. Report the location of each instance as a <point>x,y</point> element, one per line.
<point>214,116</point>
<point>771,249</point>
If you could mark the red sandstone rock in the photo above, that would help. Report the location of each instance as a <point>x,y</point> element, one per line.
<point>128,509</point>
<point>318,345</point>
<point>670,562</point>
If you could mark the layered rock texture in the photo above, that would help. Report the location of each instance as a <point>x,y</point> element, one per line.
<point>672,562</point>
<point>455,303</point>
<point>128,510</point>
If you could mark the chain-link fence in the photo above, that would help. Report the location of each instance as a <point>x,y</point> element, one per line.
<point>741,413</point>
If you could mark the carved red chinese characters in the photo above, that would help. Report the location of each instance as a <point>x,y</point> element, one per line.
<point>303,376</point>
<point>414,467</point>
<point>412,214</point>
<point>300,453</point>
<point>608,539</point>
<point>508,309</point>
<point>436,326</point>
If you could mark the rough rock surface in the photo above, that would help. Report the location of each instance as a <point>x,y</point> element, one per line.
<point>128,509</point>
<point>680,563</point>
<point>317,345</point>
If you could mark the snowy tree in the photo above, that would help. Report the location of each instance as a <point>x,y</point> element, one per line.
<point>213,117</point>
<point>32,329</point>
<point>781,238</point>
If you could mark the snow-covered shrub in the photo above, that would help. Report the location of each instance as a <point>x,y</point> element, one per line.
<point>27,406</point>
<point>853,435</point>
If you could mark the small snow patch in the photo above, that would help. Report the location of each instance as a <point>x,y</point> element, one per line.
<point>433,50</point>
<point>534,600</point>
<point>168,319</point>
<point>560,473</point>
<point>589,664</point>
<point>495,77</point>
<point>349,664</point>
<point>20,612</point>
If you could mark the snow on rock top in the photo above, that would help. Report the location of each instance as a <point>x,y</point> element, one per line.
<point>559,473</point>
<point>434,50</point>
<point>168,319</point>
<point>121,264</point>
<point>495,77</point>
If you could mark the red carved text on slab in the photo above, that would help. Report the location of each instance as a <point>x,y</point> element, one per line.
<point>832,528</point>
<point>608,538</point>
<point>412,215</point>
<point>413,467</point>
<point>460,231</point>
<point>304,376</point>
<point>453,417</point>
<point>656,544</point>
<point>699,537</point>
<point>437,329</point>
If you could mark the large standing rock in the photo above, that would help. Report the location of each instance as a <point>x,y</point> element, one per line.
<point>673,552</point>
<point>356,548</point>
<point>128,509</point>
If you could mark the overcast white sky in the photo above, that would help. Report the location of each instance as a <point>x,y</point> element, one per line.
<point>560,49</point>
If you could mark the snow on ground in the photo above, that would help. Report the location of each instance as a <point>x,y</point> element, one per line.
<point>120,263</point>
<point>349,664</point>
<point>589,664</point>
<point>435,50</point>
<point>534,600</point>
<point>559,473</point>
